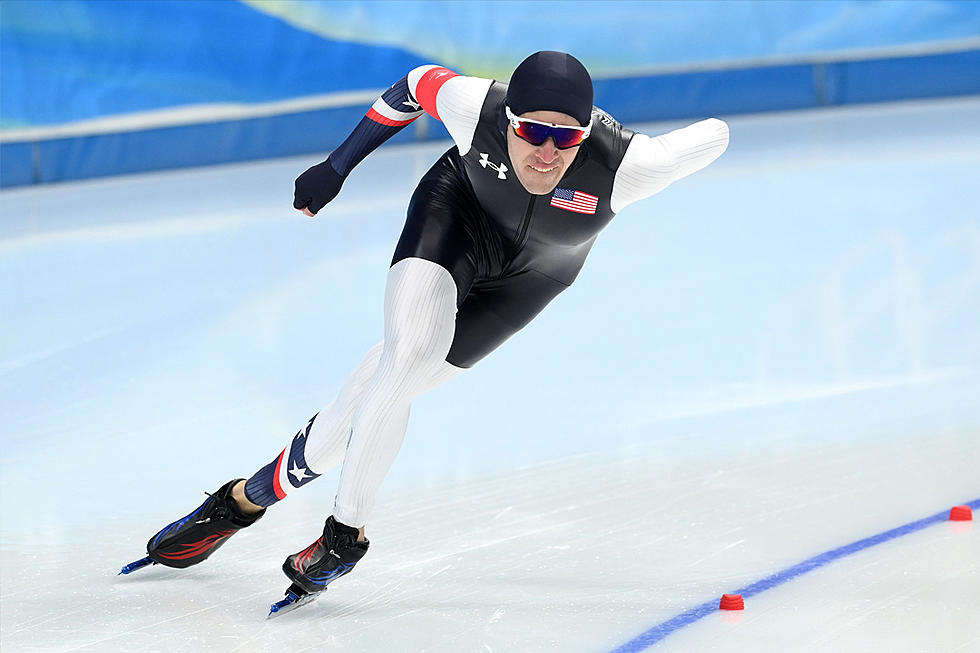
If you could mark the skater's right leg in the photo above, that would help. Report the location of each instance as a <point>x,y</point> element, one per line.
<point>194,537</point>
<point>315,449</point>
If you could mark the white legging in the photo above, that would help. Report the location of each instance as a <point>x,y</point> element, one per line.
<point>369,417</point>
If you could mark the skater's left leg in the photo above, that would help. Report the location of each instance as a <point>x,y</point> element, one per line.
<point>420,309</point>
<point>420,315</point>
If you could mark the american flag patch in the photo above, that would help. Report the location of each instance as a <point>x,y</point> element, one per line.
<point>574,200</point>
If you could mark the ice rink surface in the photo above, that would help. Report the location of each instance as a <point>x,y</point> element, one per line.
<point>772,359</point>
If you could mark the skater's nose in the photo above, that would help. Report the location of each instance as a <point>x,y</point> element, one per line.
<point>547,152</point>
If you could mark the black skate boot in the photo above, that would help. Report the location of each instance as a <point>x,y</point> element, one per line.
<point>332,555</point>
<point>193,538</point>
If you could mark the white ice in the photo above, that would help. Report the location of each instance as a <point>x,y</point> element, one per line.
<point>773,358</point>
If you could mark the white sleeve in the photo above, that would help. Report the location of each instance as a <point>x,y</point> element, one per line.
<point>651,164</point>
<point>458,104</point>
<point>460,101</point>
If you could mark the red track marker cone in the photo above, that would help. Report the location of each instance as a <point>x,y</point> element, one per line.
<point>732,602</point>
<point>961,513</point>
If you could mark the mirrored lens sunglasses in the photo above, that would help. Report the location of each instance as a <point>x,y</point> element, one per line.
<point>536,132</point>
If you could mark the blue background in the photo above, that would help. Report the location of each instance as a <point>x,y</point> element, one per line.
<point>74,60</point>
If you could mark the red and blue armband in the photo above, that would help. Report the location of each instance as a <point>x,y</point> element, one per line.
<point>405,101</point>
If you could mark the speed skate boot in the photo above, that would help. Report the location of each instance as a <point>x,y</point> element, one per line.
<point>333,554</point>
<point>193,538</point>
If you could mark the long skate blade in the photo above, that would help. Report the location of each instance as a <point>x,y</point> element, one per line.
<point>133,566</point>
<point>293,600</point>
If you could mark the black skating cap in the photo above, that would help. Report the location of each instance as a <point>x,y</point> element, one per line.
<point>551,81</point>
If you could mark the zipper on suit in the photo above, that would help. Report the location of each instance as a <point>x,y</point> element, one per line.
<point>525,230</point>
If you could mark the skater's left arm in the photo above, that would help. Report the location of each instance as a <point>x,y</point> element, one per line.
<point>652,164</point>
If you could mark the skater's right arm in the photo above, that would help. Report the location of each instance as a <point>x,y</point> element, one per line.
<point>454,99</point>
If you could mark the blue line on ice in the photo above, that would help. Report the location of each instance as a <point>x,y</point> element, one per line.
<point>662,630</point>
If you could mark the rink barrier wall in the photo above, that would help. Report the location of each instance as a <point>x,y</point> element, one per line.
<point>36,156</point>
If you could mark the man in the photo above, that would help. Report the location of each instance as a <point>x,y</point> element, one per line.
<point>498,227</point>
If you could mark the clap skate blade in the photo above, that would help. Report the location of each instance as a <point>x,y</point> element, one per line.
<point>133,566</point>
<point>295,597</point>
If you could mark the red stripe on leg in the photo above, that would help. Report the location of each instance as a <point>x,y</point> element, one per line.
<point>428,88</point>
<point>277,488</point>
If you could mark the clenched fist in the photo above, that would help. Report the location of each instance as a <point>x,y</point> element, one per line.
<point>316,187</point>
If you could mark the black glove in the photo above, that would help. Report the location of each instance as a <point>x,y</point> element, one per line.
<point>317,186</point>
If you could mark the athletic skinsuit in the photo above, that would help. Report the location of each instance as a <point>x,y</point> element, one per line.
<point>509,252</point>
<point>482,251</point>
<point>478,258</point>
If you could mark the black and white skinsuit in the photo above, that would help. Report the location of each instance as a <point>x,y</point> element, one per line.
<point>478,258</point>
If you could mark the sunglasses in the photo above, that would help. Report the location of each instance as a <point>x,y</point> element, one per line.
<point>536,132</point>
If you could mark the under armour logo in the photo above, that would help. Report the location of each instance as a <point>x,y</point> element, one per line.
<point>410,102</point>
<point>501,169</point>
